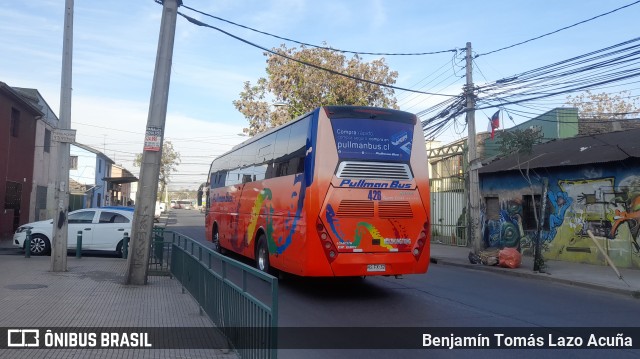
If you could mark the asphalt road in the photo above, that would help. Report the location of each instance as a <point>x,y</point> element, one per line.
<point>444,297</point>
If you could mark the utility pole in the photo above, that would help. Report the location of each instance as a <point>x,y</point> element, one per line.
<point>142,228</point>
<point>63,136</point>
<point>473,203</point>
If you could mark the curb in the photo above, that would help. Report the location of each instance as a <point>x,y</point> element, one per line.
<point>539,276</point>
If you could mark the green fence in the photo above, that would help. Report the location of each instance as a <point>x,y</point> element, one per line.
<point>160,254</point>
<point>240,300</point>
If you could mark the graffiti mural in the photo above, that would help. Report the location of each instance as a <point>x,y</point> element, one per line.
<point>560,202</point>
<point>605,202</point>
<point>506,231</point>
<point>606,209</point>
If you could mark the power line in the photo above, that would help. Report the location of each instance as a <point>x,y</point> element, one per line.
<point>200,23</point>
<point>317,46</point>
<point>561,29</point>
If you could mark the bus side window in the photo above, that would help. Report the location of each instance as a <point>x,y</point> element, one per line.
<point>297,146</point>
<point>280,155</point>
<point>270,173</point>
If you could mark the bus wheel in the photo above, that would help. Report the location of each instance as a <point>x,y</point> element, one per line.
<point>216,242</point>
<point>262,255</point>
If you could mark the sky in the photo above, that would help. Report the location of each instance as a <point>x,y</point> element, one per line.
<point>115,44</point>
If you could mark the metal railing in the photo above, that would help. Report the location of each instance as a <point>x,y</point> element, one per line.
<point>240,300</point>
<point>160,254</point>
<point>448,211</point>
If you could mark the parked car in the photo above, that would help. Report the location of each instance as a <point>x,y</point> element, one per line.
<point>102,230</point>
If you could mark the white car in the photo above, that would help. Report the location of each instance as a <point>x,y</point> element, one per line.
<point>102,230</point>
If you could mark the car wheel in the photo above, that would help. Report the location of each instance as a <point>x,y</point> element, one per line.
<point>119,249</point>
<point>40,245</point>
<point>262,255</point>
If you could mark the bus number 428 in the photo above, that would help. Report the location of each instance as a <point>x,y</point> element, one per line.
<point>374,195</point>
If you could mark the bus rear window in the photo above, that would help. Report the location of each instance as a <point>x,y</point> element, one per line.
<point>374,140</point>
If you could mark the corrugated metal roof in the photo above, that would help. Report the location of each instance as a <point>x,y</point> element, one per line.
<point>606,147</point>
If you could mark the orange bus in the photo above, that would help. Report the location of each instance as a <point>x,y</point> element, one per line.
<point>340,191</point>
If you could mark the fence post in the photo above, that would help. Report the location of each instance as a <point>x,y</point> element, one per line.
<point>79,245</point>
<point>125,245</point>
<point>27,245</point>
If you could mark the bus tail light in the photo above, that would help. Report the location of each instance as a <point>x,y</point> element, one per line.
<point>423,237</point>
<point>329,248</point>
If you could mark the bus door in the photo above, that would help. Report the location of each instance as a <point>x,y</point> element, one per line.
<point>232,233</point>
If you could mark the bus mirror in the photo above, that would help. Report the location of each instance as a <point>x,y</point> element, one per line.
<point>199,198</point>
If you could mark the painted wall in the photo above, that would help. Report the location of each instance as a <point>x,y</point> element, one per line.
<point>603,198</point>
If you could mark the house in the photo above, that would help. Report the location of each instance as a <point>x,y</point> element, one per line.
<point>593,184</point>
<point>18,124</point>
<point>45,169</point>
<point>89,167</point>
<point>448,171</point>
<point>119,186</point>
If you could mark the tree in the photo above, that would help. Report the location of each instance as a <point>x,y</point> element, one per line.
<point>520,143</point>
<point>168,164</point>
<point>302,88</point>
<point>604,106</point>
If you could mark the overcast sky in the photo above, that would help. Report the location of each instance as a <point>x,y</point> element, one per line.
<point>115,45</point>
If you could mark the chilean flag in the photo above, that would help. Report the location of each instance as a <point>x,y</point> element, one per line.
<point>495,123</point>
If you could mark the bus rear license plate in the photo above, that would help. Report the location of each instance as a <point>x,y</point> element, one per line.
<point>376,268</point>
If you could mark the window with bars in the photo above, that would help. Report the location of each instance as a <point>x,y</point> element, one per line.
<point>13,192</point>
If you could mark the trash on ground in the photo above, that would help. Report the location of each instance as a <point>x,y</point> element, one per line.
<point>510,258</point>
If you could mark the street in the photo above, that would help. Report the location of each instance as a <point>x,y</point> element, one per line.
<point>445,296</point>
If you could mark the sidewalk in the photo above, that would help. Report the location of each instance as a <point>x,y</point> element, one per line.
<point>92,294</point>
<point>584,275</point>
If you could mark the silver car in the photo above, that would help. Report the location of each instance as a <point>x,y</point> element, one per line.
<point>102,230</point>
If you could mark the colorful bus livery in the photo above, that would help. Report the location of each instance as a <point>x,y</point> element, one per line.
<point>328,194</point>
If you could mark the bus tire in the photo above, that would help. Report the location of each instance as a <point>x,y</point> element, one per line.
<point>215,240</point>
<point>262,255</point>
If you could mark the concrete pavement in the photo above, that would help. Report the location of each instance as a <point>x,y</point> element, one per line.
<point>584,275</point>
<point>92,294</point>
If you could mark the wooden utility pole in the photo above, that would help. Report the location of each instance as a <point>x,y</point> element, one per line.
<point>61,137</point>
<point>142,228</point>
<point>473,204</point>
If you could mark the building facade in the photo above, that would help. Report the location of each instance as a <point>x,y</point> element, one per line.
<point>45,169</point>
<point>592,184</point>
<point>18,123</point>
<point>89,167</point>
